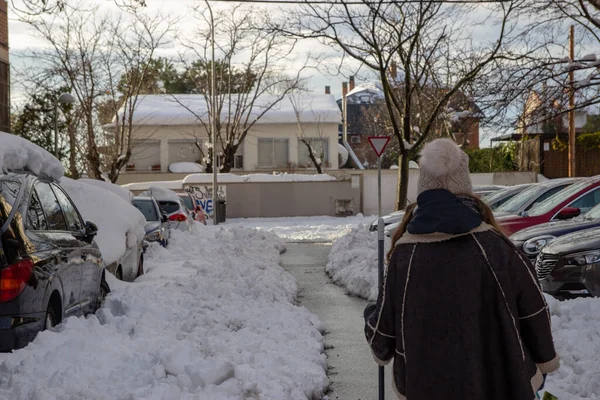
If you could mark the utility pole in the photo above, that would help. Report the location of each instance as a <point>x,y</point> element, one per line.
<point>213,124</point>
<point>572,141</point>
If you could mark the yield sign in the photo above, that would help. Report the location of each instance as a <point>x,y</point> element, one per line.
<point>378,143</point>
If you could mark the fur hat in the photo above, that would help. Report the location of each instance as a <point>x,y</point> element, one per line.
<point>443,165</point>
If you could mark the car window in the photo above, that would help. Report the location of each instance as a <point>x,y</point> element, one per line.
<point>587,201</point>
<point>54,215</point>
<point>546,195</point>
<point>188,202</point>
<point>36,220</point>
<point>169,207</point>
<point>147,208</point>
<point>9,190</point>
<point>555,200</point>
<point>73,219</point>
<point>184,208</point>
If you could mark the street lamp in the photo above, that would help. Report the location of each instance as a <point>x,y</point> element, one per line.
<point>65,98</point>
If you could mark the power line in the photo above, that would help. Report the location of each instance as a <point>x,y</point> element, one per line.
<point>366,2</point>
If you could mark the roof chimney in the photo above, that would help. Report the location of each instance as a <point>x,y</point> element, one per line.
<point>394,70</point>
<point>344,89</point>
<point>352,83</point>
<point>327,89</point>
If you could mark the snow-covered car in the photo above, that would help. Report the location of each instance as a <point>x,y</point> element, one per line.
<point>49,268</point>
<point>157,223</point>
<point>499,197</point>
<point>173,206</point>
<point>120,227</point>
<point>194,209</point>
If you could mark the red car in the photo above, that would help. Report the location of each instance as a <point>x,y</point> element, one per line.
<point>568,203</point>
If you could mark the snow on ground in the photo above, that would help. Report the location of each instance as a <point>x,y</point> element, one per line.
<point>17,153</point>
<point>353,262</point>
<point>213,318</point>
<point>575,323</point>
<point>322,229</point>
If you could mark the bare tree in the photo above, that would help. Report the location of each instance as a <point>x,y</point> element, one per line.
<point>429,43</point>
<point>89,51</point>
<point>39,7</point>
<point>250,74</point>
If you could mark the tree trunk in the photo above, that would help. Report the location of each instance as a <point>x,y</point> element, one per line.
<point>311,154</point>
<point>72,131</point>
<point>93,157</point>
<point>403,175</point>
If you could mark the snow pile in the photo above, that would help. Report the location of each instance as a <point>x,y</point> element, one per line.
<point>353,262</point>
<point>172,185</point>
<point>120,224</point>
<point>186,167</point>
<point>161,194</point>
<point>576,331</point>
<point>323,229</point>
<point>343,152</point>
<point>17,154</point>
<point>120,191</point>
<point>212,318</point>
<point>232,178</point>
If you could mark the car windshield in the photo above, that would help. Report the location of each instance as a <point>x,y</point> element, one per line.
<point>493,197</point>
<point>169,207</point>
<point>9,189</point>
<point>554,200</point>
<point>147,208</point>
<point>188,202</point>
<point>521,199</point>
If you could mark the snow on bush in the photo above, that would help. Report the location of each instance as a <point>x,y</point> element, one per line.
<point>576,331</point>
<point>353,262</point>
<point>186,167</point>
<point>120,224</point>
<point>120,191</point>
<point>17,153</point>
<point>212,318</point>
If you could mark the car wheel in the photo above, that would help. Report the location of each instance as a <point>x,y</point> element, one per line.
<point>104,291</point>
<point>119,273</point>
<point>51,320</point>
<point>140,271</point>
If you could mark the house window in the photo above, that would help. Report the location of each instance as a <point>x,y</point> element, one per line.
<point>320,147</point>
<point>238,158</point>
<point>272,153</point>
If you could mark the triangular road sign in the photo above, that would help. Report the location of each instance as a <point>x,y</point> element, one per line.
<point>379,143</point>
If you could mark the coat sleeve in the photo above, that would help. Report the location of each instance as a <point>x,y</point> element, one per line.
<point>534,317</point>
<point>380,320</point>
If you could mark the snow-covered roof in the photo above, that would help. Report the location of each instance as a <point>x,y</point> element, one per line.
<point>370,88</point>
<point>189,109</point>
<point>120,224</point>
<point>232,178</point>
<point>18,154</point>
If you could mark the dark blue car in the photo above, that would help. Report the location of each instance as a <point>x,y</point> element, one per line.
<point>531,240</point>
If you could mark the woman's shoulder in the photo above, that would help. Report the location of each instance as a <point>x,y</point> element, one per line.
<point>411,239</point>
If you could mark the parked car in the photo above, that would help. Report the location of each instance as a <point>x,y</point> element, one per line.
<point>388,219</point>
<point>173,206</point>
<point>194,209</point>
<point>50,269</point>
<point>499,197</point>
<point>532,240</point>
<point>570,265</point>
<point>568,203</point>
<point>157,223</point>
<point>532,196</point>
<point>120,226</point>
<point>483,190</point>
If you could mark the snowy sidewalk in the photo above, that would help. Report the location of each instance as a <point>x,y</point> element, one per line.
<point>213,319</point>
<point>352,371</point>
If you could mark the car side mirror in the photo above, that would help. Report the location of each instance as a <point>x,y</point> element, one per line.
<point>164,218</point>
<point>91,230</point>
<point>568,213</point>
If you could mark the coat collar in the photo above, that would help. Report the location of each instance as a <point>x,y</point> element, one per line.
<point>412,238</point>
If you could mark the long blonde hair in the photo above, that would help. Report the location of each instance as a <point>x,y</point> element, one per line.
<point>487,215</point>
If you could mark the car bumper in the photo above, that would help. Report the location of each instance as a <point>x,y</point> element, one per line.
<point>573,281</point>
<point>16,333</point>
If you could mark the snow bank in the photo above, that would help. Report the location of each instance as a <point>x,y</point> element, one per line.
<point>322,229</point>
<point>175,109</point>
<point>576,331</point>
<point>161,194</point>
<point>353,262</point>
<point>232,178</point>
<point>120,224</point>
<point>186,167</point>
<point>171,185</point>
<point>212,318</point>
<point>120,191</point>
<point>17,153</point>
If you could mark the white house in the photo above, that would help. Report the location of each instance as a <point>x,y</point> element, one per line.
<point>172,129</point>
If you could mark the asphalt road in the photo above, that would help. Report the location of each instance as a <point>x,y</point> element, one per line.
<point>352,370</point>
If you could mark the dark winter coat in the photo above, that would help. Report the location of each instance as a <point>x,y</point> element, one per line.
<point>461,312</point>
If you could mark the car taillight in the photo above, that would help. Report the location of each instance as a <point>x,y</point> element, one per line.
<point>14,278</point>
<point>178,217</point>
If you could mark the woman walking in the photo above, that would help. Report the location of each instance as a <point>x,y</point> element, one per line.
<point>460,310</point>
